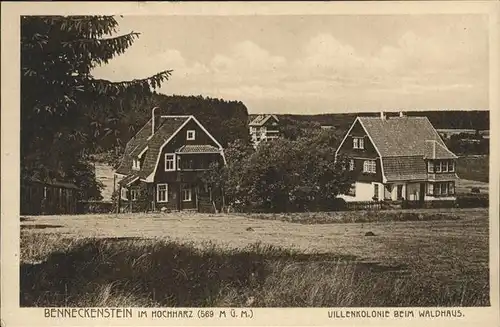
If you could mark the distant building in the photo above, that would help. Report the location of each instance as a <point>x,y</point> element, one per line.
<point>264,128</point>
<point>398,158</point>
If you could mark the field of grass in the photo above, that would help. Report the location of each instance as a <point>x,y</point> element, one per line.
<point>225,260</point>
<point>474,168</point>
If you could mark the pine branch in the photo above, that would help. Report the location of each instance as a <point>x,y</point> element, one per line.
<point>117,88</point>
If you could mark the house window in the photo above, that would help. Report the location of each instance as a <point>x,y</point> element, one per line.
<point>430,166</point>
<point>191,135</point>
<point>162,193</point>
<point>136,164</point>
<point>375,192</point>
<point>124,194</point>
<point>186,194</point>
<point>451,166</point>
<point>369,166</point>
<point>445,167</point>
<point>253,130</point>
<point>134,194</point>
<point>441,189</point>
<point>169,162</point>
<point>358,143</point>
<point>438,166</point>
<point>351,164</point>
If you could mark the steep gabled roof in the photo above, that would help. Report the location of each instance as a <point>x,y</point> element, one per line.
<point>150,146</point>
<point>401,136</point>
<point>262,119</point>
<point>168,126</point>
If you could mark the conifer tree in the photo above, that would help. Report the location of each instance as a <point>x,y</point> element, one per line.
<point>65,111</point>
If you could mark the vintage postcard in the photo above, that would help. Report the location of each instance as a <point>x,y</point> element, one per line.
<point>250,164</point>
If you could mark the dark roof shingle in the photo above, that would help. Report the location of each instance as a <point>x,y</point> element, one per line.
<point>195,148</point>
<point>401,136</point>
<point>168,125</point>
<point>404,168</point>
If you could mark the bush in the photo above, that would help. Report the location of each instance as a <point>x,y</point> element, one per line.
<point>473,201</point>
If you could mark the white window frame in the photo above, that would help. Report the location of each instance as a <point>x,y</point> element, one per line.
<point>191,135</point>
<point>451,168</point>
<point>444,169</point>
<point>170,160</point>
<point>123,194</point>
<point>134,194</point>
<point>158,200</point>
<point>190,192</point>
<point>438,166</point>
<point>430,166</point>
<point>358,142</point>
<point>351,164</point>
<point>369,166</point>
<point>136,164</point>
<point>451,188</point>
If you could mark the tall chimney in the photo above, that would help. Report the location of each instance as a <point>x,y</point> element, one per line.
<point>382,115</point>
<point>401,114</point>
<point>153,120</point>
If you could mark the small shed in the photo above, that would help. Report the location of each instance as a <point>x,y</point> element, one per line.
<point>48,198</point>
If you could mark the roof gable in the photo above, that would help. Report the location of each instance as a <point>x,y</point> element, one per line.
<point>401,136</point>
<point>260,120</point>
<point>168,125</point>
<point>150,146</point>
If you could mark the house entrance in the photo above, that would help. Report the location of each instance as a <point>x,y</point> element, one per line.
<point>422,192</point>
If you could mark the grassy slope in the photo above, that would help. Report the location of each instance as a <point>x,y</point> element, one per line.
<point>474,168</point>
<point>417,263</point>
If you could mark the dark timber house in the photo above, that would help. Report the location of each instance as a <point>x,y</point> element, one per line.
<point>398,158</point>
<point>162,165</point>
<point>48,197</point>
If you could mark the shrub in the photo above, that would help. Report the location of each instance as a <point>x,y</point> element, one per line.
<point>473,201</point>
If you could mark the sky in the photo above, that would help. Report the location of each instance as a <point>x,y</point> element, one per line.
<point>316,63</point>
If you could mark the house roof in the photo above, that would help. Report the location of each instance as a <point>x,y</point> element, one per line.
<point>261,120</point>
<point>402,136</point>
<point>404,168</point>
<point>436,150</point>
<point>126,181</point>
<point>168,125</point>
<point>197,149</point>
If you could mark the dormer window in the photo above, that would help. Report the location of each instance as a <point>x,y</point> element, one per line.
<point>191,135</point>
<point>136,164</point>
<point>358,143</point>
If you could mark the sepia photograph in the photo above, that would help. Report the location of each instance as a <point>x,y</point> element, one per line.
<point>337,161</point>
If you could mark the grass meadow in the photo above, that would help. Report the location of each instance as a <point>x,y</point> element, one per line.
<point>191,259</point>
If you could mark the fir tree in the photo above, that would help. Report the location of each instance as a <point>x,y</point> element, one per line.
<point>65,111</point>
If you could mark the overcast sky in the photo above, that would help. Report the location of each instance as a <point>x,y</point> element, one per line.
<point>314,64</point>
